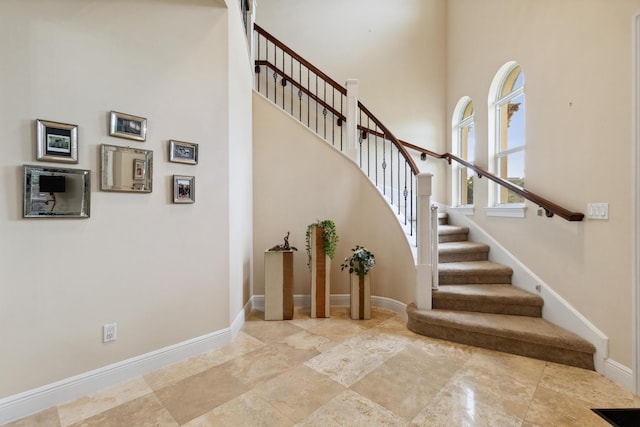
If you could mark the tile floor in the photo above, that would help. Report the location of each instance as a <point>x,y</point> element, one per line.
<point>341,372</point>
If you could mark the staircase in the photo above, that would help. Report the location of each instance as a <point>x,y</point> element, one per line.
<point>477,305</point>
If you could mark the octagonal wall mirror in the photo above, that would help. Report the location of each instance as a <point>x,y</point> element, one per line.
<point>126,169</point>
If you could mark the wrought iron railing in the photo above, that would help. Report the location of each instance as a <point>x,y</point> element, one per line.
<point>319,102</point>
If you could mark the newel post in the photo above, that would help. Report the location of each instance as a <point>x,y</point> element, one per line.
<point>352,148</point>
<point>424,268</point>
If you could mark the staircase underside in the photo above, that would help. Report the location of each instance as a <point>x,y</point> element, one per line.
<point>523,335</point>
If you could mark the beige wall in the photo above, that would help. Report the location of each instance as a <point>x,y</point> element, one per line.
<point>161,271</point>
<point>299,179</point>
<point>576,58</point>
<point>395,50</point>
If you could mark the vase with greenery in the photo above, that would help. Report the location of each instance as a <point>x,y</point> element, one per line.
<point>322,239</point>
<point>360,262</point>
<point>329,238</point>
<point>359,265</point>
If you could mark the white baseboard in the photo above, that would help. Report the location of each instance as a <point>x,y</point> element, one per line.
<point>619,374</point>
<point>41,398</point>
<point>340,300</point>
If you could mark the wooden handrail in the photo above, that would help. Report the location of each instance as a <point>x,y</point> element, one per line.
<point>300,59</point>
<point>301,88</point>
<point>336,86</point>
<point>387,133</point>
<point>549,207</point>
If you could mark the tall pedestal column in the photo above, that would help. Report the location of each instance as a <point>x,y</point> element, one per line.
<point>278,285</point>
<point>320,276</point>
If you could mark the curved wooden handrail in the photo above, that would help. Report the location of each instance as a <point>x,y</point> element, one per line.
<point>336,86</point>
<point>386,133</point>
<point>303,89</point>
<point>300,59</point>
<point>550,208</point>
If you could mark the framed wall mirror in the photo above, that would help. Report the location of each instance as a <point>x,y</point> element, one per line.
<point>55,192</point>
<point>126,169</point>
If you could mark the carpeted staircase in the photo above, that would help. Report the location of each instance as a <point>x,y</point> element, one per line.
<point>477,305</point>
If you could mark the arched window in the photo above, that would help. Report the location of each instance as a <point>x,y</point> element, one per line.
<point>463,146</point>
<point>507,133</point>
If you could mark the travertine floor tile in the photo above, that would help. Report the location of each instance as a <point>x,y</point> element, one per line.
<point>268,362</point>
<point>96,403</point>
<point>144,411</point>
<point>584,385</point>
<point>243,344</point>
<point>350,361</point>
<point>353,410</point>
<point>269,331</point>
<point>552,408</point>
<point>199,394</point>
<point>47,418</point>
<point>299,392</point>
<point>408,381</point>
<point>245,410</point>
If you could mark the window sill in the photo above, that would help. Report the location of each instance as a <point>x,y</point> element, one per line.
<point>508,211</point>
<point>468,210</point>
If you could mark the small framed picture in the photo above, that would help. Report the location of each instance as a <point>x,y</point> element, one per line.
<point>127,126</point>
<point>183,152</point>
<point>184,189</point>
<point>139,169</point>
<point>56,142</point>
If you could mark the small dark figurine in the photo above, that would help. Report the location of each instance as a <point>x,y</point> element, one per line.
<point>285,246</point>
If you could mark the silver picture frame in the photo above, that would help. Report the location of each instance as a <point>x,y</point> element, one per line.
<point>127,126</point>
<point>183,152</point>
<point>56,142</point>
<point>184,189</point>
<point>126,169</point>
<point>56,193</point>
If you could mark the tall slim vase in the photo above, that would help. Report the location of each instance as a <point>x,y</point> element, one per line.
<point>278,285</point>
<point>320,276</point>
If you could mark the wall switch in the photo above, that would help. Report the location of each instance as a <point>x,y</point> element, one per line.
<point>109,332</point>
<point>598,210</point>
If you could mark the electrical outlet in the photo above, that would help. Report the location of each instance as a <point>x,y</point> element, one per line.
<point>109,332</point>
<point>539,288</point>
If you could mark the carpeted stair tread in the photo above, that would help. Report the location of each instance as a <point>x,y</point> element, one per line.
<point>489,298</point>
<point>528,336</point>
<point>462,251</point>
<point>472,272</point>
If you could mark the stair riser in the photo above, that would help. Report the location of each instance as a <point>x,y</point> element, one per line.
<point>463,256</point>
<point>506,345</point>
<point>474,279</point>
<point>488,307</point>
<point>453,237</point>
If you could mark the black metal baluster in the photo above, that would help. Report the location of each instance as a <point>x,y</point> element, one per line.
<point>300,91</point>
<point>391,169</point>
<point>283,81</point>
<point>405,192</point>
<point>384,165</point>
<point>341,126</point>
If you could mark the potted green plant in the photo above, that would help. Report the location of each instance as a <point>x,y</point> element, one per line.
<point>322,239</point>
<point>359,265</point>
<point>278,281</point>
